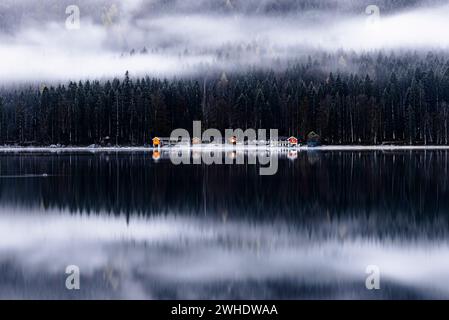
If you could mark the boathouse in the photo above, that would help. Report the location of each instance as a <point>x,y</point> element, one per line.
<point>157,142</point>
<point>233,140</point>
<point>292,141</point>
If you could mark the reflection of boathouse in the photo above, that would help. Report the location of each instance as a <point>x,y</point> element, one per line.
<point>292,154</point>
<point>156,155</point>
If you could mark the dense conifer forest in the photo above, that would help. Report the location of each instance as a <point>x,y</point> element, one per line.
<point>369,98</point>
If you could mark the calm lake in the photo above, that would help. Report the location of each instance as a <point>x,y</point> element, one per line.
<point>140,228</point>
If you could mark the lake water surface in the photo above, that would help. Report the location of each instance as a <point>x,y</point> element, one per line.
<point>145,229</point>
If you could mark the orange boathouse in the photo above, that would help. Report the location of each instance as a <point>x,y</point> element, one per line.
<point>156,142</point>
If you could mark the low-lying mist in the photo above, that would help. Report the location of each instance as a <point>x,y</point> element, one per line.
<point>146,38</point>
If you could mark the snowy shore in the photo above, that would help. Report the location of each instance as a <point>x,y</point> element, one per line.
<point>207,148</point>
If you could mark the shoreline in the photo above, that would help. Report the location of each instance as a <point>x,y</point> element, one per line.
<point>206,148</point>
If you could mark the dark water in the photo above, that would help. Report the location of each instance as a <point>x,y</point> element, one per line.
<point>140,228</point>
